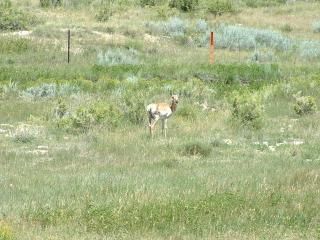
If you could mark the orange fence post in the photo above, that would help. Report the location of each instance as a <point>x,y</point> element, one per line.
<point>211,48</point>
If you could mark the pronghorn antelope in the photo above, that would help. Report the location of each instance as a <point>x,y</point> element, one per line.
<point>161,111</point>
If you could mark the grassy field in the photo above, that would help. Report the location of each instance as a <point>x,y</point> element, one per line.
<point>241,160</point>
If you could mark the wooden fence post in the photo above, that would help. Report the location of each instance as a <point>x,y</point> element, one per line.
<point>212,42</point>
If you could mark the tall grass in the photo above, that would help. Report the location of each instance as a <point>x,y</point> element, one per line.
<point>77,161</point>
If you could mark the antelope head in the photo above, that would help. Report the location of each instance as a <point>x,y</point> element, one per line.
<point>174,102</point>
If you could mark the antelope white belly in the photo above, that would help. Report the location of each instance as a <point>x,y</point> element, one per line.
<point>161,113</point>
<point>165,113</point>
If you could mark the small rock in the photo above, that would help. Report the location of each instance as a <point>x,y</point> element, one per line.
<point>38,152</point>
<point>297,142</point>
<point>272,148</point>
<point>204,105</point>
<point>279,144</point>
<point>2,131</point>
<point>6,125</point>
<point>43,147</point>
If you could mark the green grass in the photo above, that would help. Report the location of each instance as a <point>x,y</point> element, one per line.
<point>195,183</point>
<point>76,158</point>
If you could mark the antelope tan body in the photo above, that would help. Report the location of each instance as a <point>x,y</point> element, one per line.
<point>161,111</point>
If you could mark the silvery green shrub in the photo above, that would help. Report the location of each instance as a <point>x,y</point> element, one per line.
<point>174,27</point>
<point>316,27</point>
<point>310,50</point>
<point>118,56</point>
<point>49,90</point>
<point>244,38</point>
<point>25,133</point>
<point>201,26</point>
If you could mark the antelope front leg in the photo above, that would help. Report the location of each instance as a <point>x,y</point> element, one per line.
<point>152,125</point>
<point>162,127</point>
<point>165,127</point>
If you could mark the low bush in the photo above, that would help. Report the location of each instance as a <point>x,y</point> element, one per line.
<point>196,149</point>
<point>184,5</point>
<point>305,105</point>
<point>219,7</point>
<point>174,27</point>
<point>201,26</point>
<point>83,119</point>
<point>286,28</point>
<point>104,12</point>
<point>316,27</point>
<point>13,19</point>
<point>61,110</point>
<point>245,38</point>
<point>118,56</point>
<point>247,110</point>
<point>134,107</point>
<point>86,117</point>
<point>76,4</point>
<point>193,34</point>
<point>199,34</point>
<point>50,3</point>
<point>43,91</point>
<point>25,133</point>
<point>263,56</point>
<point>49,91</point>
<point>310,50</point>
<point>144,3</point>
<point>164,11</point>
<point>188,112</point>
